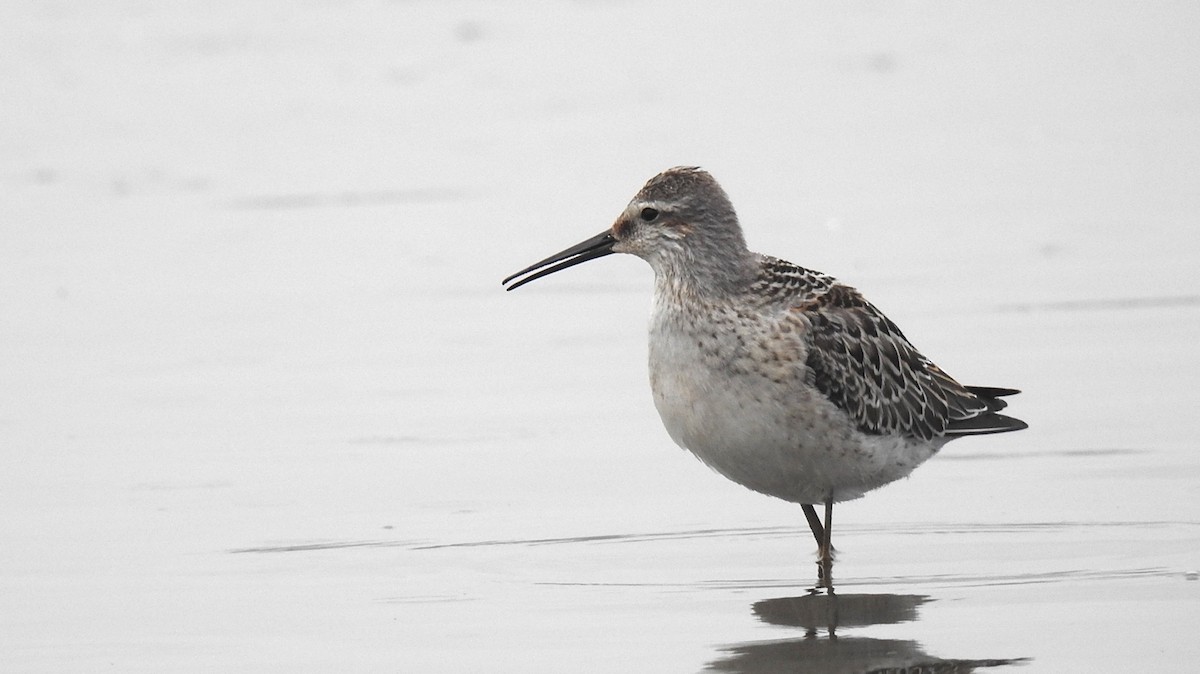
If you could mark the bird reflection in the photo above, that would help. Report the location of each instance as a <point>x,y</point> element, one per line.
<point>833,653</point>
<point>830,611</point>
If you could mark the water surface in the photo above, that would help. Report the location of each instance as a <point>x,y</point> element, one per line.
<point>265,406</point>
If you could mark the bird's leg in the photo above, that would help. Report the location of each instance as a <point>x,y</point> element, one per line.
<point>823,535</point>
<point>814,523</point>
<point>826,550</point>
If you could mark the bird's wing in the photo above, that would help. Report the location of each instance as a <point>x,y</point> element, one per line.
<point>862,362</point>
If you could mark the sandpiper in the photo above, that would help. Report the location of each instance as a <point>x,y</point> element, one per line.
<point>780,378</point>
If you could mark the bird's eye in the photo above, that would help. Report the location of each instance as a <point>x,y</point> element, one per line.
<point>649,214</point>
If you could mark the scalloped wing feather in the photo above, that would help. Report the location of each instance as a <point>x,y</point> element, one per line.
<point>864,364</point>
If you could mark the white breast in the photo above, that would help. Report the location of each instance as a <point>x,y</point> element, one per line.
<point>734,394</point>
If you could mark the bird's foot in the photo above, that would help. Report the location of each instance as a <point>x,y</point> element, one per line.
<point>825,570</point>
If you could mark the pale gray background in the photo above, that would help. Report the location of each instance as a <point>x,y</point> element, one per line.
<point>264,406</point>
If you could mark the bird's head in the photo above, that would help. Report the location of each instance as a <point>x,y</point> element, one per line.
<point>681,222</point>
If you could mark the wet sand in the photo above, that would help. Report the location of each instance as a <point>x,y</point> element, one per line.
<point>265,406</point>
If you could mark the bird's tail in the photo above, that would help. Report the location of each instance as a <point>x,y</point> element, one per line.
<point>989,421</point>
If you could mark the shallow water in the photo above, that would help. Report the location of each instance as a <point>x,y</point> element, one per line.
<point>266,407</point>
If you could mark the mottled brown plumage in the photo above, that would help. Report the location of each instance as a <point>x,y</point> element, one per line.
<point>778,377</point>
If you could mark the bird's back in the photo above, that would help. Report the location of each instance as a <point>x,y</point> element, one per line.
<point>862,362</point>
<point>798,387</point>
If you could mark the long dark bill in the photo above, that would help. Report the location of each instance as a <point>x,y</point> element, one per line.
<point>597,246</point>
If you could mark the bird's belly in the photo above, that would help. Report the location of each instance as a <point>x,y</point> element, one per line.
<point>775,436</point>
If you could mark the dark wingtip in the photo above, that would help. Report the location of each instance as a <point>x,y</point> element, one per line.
<point>986,424</point>
<point>992,391</point>
<point>991,396</point>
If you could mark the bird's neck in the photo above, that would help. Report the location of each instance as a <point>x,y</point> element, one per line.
<point>706,279</point>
